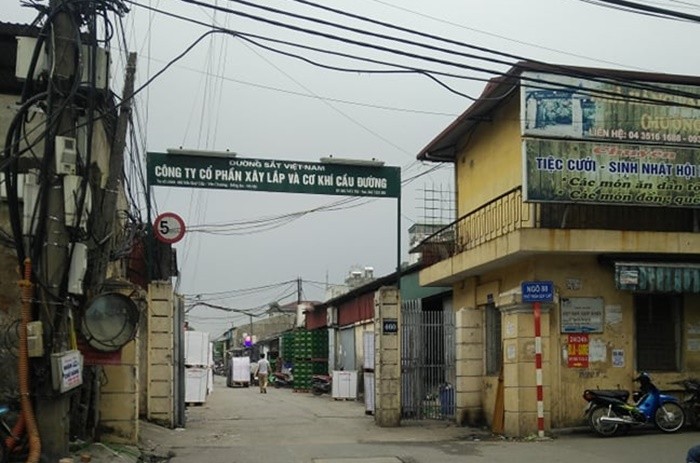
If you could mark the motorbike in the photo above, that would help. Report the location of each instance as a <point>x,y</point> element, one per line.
<point>219,368</point>
<point>691,399</point>
<point>608,412</point>
<point>282,379</point>
<point>321,384</point>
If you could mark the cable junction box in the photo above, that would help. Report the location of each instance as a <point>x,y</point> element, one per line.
<point>67,370</point>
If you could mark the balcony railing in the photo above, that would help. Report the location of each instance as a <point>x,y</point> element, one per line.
<point>496,218</point>
<point>508,213</point>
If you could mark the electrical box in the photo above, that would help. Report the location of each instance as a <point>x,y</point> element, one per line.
<point>35,339</point>
<point>78,267</point>
<point>66,150</point>
<point>25,50</point>
<point>71,199</point>
<point>20,186</point>
<point>66,370</point>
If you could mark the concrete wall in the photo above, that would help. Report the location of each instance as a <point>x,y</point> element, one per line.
<point>119,405</point>
<point>491,163</point>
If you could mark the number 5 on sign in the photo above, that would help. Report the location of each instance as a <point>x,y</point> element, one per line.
<point>169,227</point>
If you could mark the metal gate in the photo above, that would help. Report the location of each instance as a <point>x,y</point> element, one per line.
<point>427,362</point>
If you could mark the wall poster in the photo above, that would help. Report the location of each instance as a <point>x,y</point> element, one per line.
<point>577,346</point>
<point>582,315</point>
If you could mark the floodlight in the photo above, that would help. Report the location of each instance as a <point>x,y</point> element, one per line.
<point>110,321</point>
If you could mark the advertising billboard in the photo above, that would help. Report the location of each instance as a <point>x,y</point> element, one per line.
<point>610,173</point>
<point>555,106</point>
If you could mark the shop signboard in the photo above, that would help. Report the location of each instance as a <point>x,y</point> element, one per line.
<point>610,173</point>
<point>178,170</point>
<point>608,110</point>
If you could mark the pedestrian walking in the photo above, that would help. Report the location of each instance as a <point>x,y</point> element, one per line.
<point>262,371</point>
<point>693,454</point>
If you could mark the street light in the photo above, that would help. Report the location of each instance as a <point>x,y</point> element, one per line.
<point>187,152</point>
<point>352,162</point>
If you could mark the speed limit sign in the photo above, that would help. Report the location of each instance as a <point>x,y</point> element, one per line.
<point>169,227</point>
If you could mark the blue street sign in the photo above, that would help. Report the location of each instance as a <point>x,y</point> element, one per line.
<point>538,291</point>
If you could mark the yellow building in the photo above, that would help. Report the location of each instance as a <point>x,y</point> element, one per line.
<point>588,179</point>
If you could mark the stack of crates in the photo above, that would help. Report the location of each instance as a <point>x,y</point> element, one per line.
<point>319,352</point>
<point>303,368</point>
<point>308,352</point>
<point>319,344</point>
<point>287,347</point>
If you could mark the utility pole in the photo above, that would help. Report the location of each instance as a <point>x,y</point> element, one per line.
<point>105,219</point>
<point>298,290</point>
<point>52,409</point>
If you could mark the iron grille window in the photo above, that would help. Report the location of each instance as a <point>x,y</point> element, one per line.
<point>658,331</point>
<point>494,343</point>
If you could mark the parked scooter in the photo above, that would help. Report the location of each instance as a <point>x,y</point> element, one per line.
<point>691,399</point>
<point>609,413</point>
<point>282,379</point>
<point>321,384</point>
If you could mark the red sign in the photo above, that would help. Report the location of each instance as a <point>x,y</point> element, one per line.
<point>577,348</point>
<point>169,227</point>
<point>95,357</point>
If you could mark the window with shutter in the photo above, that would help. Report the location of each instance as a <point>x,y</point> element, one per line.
<point>658,331</point>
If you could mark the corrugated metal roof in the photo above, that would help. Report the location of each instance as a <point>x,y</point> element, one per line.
<point>654,277</point>
<point>14,29</point>
<point>443,147</point>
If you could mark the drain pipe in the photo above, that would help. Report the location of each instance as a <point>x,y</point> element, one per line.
<point>23,367</point>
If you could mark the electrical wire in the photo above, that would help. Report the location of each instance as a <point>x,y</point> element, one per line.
<point>566,69</point>
<point>533,81</point>
<point>647,10</point>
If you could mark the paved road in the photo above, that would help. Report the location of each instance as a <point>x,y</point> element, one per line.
<point>243,426</point>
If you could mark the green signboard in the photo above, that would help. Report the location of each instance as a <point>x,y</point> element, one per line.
<point>233,173</point>
<point>572,107</point>
<point>611,173</point>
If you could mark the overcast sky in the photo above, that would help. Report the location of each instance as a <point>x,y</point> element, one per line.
<point>230,94</point>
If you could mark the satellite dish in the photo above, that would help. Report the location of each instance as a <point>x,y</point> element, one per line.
<point>110,321</point>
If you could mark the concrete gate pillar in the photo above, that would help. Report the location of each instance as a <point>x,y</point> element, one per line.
<point>469,366</point>
<point>387,360</point>
<point>519,377</point>
<point>469,354</point>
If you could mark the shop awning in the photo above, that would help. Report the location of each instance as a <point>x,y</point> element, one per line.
<point>658,277</point>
